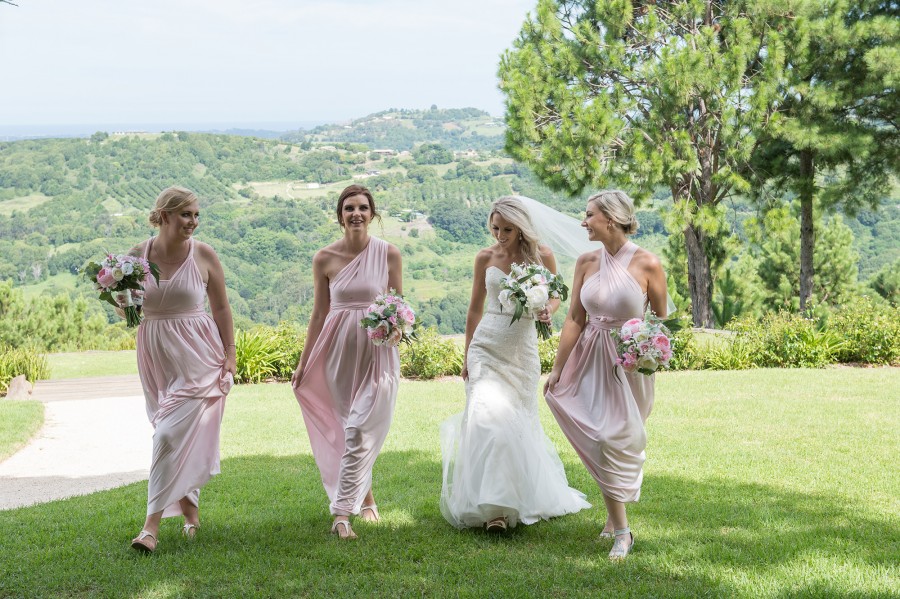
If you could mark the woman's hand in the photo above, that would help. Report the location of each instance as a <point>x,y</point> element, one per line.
<point>545,315</point>
<point>465,372</point>
<point>552,379</point>
<point>297,376</point>
<point>231,364</point>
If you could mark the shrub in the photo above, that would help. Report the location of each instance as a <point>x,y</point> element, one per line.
<point>268,352</point>
<point>685,351</point>
<point>547,352</point>
<point>785,340</point>
<point>14,362</point>
<point>871,332</point>
<point>430,356</point>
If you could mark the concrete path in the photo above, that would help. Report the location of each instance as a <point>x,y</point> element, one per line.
<point>95,437</point>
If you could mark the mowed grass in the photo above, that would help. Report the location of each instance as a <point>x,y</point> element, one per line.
<point>764,483</point>
<point>19,421</point>
<point>92,363</point>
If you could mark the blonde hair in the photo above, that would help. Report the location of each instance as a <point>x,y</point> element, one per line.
<point>515,213</point>
<point>169,200</point>
<point>618,207</point>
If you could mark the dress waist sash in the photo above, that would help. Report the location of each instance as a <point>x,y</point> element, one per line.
<point>607,322</point>
<point>197,312</point>
<point>350,306</point>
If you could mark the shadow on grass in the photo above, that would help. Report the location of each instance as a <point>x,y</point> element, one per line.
<point>266,522</point>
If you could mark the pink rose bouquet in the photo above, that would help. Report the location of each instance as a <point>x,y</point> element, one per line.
<point>389,320</point>
<point>120,280</point>
<point>643,345</point>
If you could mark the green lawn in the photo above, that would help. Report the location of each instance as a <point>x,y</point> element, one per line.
<point>765,483</point>
<point>19,421</point>
<point>91,363</point>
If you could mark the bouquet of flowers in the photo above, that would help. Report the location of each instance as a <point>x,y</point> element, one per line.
<point>123,276</point>
<point>644,344</point>
<point>389,320</point>
<point>530,287</point>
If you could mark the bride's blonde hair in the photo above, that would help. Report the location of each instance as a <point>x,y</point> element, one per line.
<point>515,213</point>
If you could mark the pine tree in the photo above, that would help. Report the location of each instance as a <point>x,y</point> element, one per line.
<point>646,93</point>
<point>835,136</point>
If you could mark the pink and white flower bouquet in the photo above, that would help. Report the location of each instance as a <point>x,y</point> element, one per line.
<point>644,345</point>
<point>122,276</point>
<point>389,320</point>
<point>530,287</point>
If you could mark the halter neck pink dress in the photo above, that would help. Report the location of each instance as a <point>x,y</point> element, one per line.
<point>602,417</point>
<point>349,385</point>
<point>181,362</point>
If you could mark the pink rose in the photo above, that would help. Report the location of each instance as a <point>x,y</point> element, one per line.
<point>661,342</point>
<point>106,278</point>
<point>629,362</point>
<point>630,328</point>
<point>394,338</point>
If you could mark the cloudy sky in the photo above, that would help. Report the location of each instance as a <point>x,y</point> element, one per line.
<point>248,63</point>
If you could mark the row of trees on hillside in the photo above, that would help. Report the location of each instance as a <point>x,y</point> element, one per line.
<point>710,98</point>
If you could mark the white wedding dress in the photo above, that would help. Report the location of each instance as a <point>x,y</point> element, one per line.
<point>497,459</point>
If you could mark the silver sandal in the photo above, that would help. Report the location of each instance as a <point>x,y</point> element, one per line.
<point>619,550</point>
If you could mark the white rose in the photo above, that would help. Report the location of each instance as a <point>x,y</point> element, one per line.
<point>536,297</point>
<point>118,274</point>
<point>647,363</point>
<point>506,300</point>
<point>127,268</point>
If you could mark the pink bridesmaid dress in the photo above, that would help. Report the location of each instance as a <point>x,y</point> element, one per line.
<point>181,362</point>
<point>602,416</point>
<point>349,385</point>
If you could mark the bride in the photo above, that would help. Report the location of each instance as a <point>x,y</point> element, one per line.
<point>499,466</point>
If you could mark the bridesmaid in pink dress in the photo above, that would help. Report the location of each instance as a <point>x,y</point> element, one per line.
<point>346,385</point>
<point>186,361</point>
<point>602,417</point>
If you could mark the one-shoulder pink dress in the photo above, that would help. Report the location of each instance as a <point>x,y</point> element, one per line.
<point>181,361</point>
<point>349,386</point>
<point>602,416</point>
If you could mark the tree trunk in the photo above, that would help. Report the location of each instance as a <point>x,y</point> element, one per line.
<point>699,279</point>
<point>807,231</point>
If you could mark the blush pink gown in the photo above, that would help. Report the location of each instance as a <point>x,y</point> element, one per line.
<point>181,362</point>
<point>602,417</point>
<point>349,385</point>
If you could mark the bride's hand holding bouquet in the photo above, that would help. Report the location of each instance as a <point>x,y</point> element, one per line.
<point>530,287</point>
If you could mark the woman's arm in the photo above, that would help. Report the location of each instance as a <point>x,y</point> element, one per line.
<point>395,269</point>
<point>657,292</point>
<point>573,325</point>
<point>476,305</point>
<point>321,307</point>
<point>218,304</point>
<point>549,260</point>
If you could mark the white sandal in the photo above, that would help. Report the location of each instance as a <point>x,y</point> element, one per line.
<point>190,530</point>
<point>619,550</point>
<point>348,532</point>
<point>141,545</point>
<point>372,508</point>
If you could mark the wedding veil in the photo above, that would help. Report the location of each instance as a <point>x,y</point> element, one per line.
<point>565,235</point>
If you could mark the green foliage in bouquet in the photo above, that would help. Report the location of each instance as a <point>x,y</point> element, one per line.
<point>430,356</point>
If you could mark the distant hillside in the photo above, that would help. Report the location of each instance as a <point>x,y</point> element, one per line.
<point>267,205</point>
<point>456,129</point>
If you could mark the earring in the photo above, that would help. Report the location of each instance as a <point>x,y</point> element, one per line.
<point>609,224</point>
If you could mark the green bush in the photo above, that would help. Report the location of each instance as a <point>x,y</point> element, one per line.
<point>786,340</point>
<point>268,352</point>
<point>430,356</point>
<point>16,361</point>
<point>685,351</point>
<point>870,332</point>
<point>547,352</point>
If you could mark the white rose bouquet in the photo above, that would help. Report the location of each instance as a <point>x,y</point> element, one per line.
<point>124,276</point>
<point>529,287</point>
